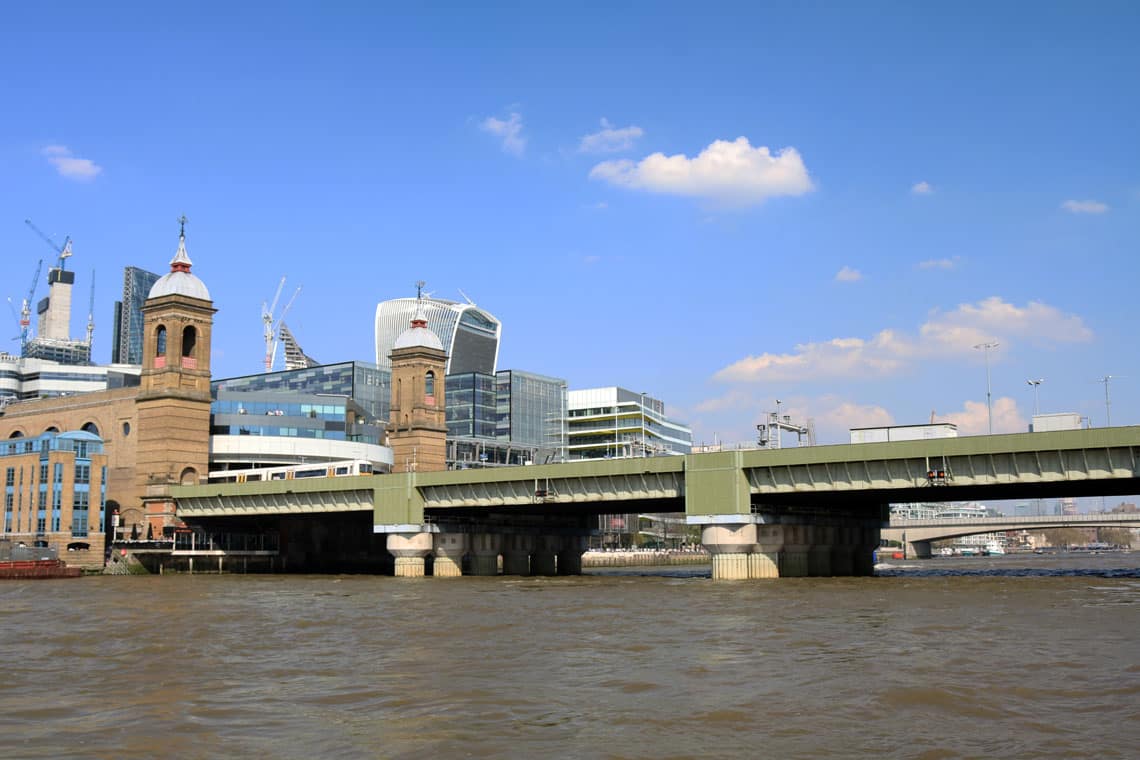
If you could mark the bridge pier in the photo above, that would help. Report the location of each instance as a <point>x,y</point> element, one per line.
<point>570,556</point>
<point>797,548</point>
<point>410,549</point>
<point>764,562</point>
<point>544,558</point>
<point>730,547</point>
<point>485,548</point>
<point>449,549</point>
<point>517,548</point>
<point>819,555</point>
<point>918,550</point>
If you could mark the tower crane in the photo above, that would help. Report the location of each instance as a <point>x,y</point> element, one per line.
<point>26,307</point>
<point>272,324</point>
<point>63,251</point>
<point>91,314</point>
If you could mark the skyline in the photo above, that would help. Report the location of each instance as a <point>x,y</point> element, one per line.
<point>822,204</point>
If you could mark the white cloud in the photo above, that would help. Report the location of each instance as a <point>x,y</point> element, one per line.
<point>922,188</point>
<point>974,417</point>
<point>69,166</point>
<point>509,130</point>
<point>837,417</point>
<point>1085,207</point>
<point>940,263</point>
<point>944,336</point>
<point>732,172</point>
<point>847,274</point>
<point>610,139</point>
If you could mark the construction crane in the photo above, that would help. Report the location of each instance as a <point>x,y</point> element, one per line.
<point>91,314</point>
<point>25,318</point>
<point>272,324</point>
<point>63,251</point>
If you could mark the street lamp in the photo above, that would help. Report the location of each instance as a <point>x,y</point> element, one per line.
<point>989,396</point>
<point>1107,401</point>
<point>1036,384</point>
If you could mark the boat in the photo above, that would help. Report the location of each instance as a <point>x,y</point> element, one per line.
<point>995,549</point>
<point>22,561</point>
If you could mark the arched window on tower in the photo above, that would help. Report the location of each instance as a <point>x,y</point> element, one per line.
<point>189,346</point>
<point>160,346</point>
<point>429,387</point>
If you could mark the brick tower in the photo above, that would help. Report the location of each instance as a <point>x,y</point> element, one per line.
<point>417,426</point>
<point>173,403</point>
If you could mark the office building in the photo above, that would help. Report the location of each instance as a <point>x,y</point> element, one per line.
<point>613,422</point>
<point>469,335</point>
<point>127,340</point>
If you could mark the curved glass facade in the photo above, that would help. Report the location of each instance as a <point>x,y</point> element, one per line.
<point>469,335</point>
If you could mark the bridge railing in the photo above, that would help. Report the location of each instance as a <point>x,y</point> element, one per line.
<point>1028,520</point>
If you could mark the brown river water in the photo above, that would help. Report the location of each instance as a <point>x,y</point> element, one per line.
<point>1028,657</point>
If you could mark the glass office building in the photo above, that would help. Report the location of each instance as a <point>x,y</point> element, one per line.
<point>126,347</point>
<point>531,409</point>
<point>469,335</point>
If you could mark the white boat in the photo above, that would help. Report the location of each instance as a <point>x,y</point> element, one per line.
<point>994,549</point>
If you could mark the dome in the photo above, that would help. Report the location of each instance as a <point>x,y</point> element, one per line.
<point>178,281</point>
<point>418,336</point>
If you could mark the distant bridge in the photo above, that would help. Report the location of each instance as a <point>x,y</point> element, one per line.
<point>918,534</point>
<point>780,504</point>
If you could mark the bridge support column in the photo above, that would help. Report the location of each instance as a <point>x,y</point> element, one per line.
<point>819,555</point>
<point>449,549</point>
<point>516,553</point>
<point>570,556</point>
<point>409,549</point>
<point>797,544</point>
<point>843,551</point>
<point>485,553</point>
<point>730,547</point>
<point>865,550</point>
<point>544,558</point>
<point>918,550</point>
<point>764,562</point>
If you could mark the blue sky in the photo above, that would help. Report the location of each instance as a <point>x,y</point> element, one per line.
<point>718,204</point>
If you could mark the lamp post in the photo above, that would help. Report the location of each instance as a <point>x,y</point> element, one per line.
<point>1107,402</point>
<point>1036,384</point>
<point>989,396</point>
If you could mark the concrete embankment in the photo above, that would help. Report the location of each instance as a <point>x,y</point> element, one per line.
<point>643,558</point>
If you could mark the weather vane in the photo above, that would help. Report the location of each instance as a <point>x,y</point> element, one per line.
<point>182,228</point>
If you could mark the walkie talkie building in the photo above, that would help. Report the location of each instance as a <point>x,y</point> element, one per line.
<point>469,334</point>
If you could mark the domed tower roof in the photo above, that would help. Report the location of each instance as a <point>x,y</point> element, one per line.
<point>419,335</point>
<point>179,281</point>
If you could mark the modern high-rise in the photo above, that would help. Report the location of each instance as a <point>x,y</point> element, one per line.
<point>126,346</point>
<point>469,335</point>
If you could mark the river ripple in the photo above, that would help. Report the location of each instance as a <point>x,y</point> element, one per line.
<point>1013,657</point>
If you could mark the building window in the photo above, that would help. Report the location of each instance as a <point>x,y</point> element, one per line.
<point>160,346</point>
<point>429,386</point>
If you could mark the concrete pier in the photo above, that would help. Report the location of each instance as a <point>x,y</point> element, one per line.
<point>485,549</point>
<point>730,547</point>
<point>449,549</point>
<point>517,548</point>
<point>570,555</point>
<point>544,558</point>
<point>410,549</point>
